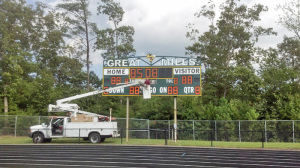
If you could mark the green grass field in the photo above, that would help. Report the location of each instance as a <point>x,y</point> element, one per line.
<point>117,141</point>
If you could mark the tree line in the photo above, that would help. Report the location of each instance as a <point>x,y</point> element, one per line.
<point>240,79</point>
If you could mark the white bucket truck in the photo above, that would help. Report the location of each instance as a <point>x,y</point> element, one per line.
<point>89,126</point>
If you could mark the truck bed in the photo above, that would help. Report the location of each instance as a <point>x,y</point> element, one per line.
<point>74,129</point>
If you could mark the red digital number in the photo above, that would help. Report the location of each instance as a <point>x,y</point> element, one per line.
<point>190,80</point>
<point>136,73</point>
<point>139,73</point>
<point>151,73</point>
<point>126,80</point>
<point>183,79</point>
<point>175,90</point>
<point>131,90</point>
<point>115,80</point>
<point>187,80</point>
<point>197,90</point>
<point>134,90</point>
<point>148,73</point>
<point>175,81</point>
<point>105,93</point>
<point>137,90</point>
<point>154,73</point>
<point>132,73</point>
<point>172,90</point>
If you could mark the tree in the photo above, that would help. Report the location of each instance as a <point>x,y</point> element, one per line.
<point>248,86</point>
<point>277,79</point>
<point>33,73</point>
<point>16,25</point>
<point>116,41</point>
<point>290,18</point>
<point>229,43</point>
<point>78,17</point>
<point>154,108</point>
<point>289,50</point>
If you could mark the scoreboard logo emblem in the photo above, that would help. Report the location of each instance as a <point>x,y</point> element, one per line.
<point>151,57</point>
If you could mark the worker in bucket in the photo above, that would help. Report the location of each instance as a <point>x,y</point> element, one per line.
<point>147,82</point>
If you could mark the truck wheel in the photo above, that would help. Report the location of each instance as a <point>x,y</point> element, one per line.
<point>38,138</point>
<point>94,138</point>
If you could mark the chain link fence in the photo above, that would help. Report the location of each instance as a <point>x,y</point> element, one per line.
<point>239,131</point>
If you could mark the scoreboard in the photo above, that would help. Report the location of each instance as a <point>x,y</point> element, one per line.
<point>165,80</point>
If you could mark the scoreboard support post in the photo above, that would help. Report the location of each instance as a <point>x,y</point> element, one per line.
<point>127,119</point>
<point>175,118</point>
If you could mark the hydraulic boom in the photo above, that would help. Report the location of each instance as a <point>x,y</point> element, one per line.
<point>62,105</point>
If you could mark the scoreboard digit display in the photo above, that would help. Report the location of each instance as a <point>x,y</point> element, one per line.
<point>165,81</point>
<point>151,73</point>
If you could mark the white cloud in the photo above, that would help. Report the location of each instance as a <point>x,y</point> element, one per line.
<point>160,25</point>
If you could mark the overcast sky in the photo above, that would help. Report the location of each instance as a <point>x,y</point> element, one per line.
<point>160,25</point>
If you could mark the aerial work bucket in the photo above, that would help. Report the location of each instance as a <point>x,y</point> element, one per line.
<point>146,92</point>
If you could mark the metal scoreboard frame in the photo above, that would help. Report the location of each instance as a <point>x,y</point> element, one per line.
<point>169,76</point>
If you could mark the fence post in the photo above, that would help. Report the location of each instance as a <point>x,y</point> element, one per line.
<point>166,137</point>
<point>240,137</point>
<point>211,138</point>
<point>121,135</point>
<point>293,131</point>
<point>194,129</point>
<point>266,133</point>
<point>169,130</point>
<point>16,122</point>
<point>216,132</point>
<point>148,129</point>
<point>262,139</point>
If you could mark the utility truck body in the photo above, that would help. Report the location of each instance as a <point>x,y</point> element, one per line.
<point>88,128</point>
<point>80,124</point>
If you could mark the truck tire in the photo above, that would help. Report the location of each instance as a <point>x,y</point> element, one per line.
<point>94,137</point>
<point>38,138</point>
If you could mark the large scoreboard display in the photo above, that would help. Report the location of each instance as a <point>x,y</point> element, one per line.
<point>165,80</point>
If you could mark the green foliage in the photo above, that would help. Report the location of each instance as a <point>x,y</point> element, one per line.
<point>154,108</point>
<point>13,48</point>
<point>118,41</point>
<point>77,18</point>
<point>38,67</point>
<point>190,108</point>
<point>289,17</point>
<point>279,83</point>
<point>288,108</point>
<point>226,50</point>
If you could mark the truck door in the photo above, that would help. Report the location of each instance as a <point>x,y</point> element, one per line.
<point>57,126</point>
